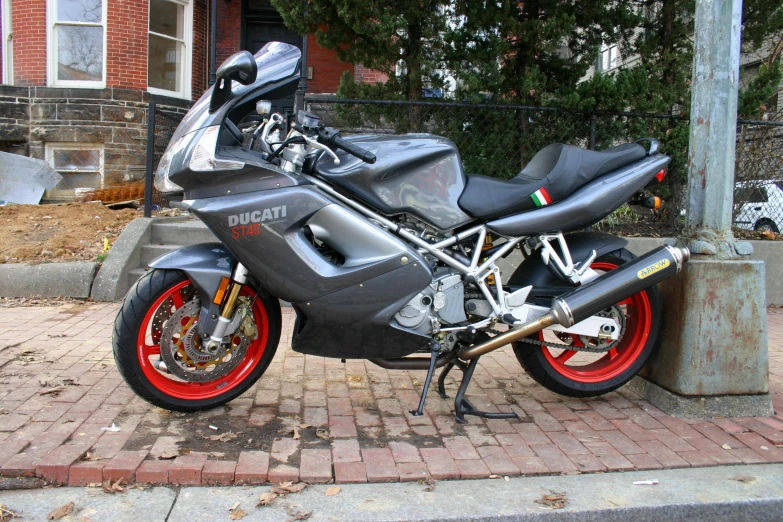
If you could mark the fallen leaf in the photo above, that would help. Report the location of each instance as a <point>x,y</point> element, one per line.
<point>301,515</point>
<point>296,434</point>
<point>494,476</point>
<point>60,512</point>
<point>266,499</point>
<point>53,391</point>
<point>6,514</point>
<point>744,478</point>
<point>92,457</point>
<point>223,437</point>
<point>168,455</point>
<point>726,447</point>
<point>236,505</point>
<point>330,492</point>
<point>236,514</point>
<point>554,500</point>
<point>304,426</point>
<point>284,488</point>
<point>322,433</point>
<point>116,487</point>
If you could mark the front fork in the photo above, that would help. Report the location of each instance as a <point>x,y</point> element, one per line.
<point>229,301</point>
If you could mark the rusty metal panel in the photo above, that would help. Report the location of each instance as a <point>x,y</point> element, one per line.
<point>23,180</point>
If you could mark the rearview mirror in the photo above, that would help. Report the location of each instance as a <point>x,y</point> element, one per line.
<point>240,67</point>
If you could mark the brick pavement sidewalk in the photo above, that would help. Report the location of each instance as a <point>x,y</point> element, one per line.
<point>59,388</point>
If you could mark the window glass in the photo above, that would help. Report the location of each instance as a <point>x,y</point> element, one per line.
<point>80,11</point>
<point>79,53</point>
<point>166,18</point>
<point>76,159</point>
<point>165,63</point>
<point>166,59</point>
<point>80,168</point>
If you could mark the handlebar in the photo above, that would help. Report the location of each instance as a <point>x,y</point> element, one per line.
<point>329,136</point>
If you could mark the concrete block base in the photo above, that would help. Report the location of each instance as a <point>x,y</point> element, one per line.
<point>711,358</point>
<point>759,405</point>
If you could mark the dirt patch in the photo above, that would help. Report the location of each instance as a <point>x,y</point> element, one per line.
<point>59,233</point>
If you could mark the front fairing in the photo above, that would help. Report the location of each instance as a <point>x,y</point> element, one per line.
<point>278,76</point>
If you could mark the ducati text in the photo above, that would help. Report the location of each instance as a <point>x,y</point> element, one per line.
<point>257,216</point>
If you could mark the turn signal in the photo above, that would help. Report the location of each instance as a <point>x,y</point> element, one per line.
<point>221,291</point>
<point>661,174</point>
<point>657,203</point>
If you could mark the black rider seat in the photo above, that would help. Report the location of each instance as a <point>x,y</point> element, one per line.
<point>555,172</point>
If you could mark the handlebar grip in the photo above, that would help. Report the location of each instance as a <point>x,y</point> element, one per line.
<point>354,150</point>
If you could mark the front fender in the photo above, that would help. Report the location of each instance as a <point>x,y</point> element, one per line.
<point>205,264</point>
<point>533,271</point>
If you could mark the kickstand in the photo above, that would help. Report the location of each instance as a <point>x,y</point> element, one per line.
<point>433,361</point>
<point>463,407</point>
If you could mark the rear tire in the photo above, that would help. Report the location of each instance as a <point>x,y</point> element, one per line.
<point>766,224</point>
<point>595,374</point>
<point>137,338</point>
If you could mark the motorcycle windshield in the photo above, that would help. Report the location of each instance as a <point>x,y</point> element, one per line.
<point>276,61</point>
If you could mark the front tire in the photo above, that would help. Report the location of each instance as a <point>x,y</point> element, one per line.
<point>576,373</point>
<point>138,333</point>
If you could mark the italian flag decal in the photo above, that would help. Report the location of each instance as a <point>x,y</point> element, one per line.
<point>541,197</point>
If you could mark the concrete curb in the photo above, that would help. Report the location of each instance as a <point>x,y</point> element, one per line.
<point>123,257</point>
<point>72,279</point>
<point>682,494</point>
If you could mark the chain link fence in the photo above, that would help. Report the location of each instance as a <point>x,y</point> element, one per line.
<point>499,140</point>
<point>758,194</point>
<point>161,125</point>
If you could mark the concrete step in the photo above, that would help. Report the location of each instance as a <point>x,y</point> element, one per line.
<point>135,275</point>
<point>151,252</point>
<point>180,233</point>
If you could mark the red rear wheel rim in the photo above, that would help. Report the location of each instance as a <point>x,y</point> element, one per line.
<point>196,391</point>
<point>638,322</point>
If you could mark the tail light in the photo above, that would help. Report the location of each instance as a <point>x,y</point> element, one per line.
<point>660,175</point>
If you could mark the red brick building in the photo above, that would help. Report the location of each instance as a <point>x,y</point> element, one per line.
<point>78,74</point>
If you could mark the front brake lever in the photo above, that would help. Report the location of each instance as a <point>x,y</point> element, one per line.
<point>320,146</point>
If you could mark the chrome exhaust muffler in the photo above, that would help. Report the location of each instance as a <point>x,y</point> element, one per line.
<point>599,294</point>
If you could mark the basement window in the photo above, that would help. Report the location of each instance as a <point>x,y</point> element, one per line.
<point>81,167</point>
<point>77,43</point>
<point>170,35</point>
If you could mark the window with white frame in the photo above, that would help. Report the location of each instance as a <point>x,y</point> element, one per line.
<point>168,63</point>
<point>77,43</point>
<point>80,165</point>
<point>8,43</point>
<point>608,59</point>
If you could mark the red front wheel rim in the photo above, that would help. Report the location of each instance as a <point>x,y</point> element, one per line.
<point>638,323</point>
<point>149,347</point>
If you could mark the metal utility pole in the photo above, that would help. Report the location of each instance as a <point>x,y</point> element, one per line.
<point>711,359</point>
<point>714,128</point>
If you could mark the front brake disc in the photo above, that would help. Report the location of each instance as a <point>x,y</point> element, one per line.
<point>184,355</point>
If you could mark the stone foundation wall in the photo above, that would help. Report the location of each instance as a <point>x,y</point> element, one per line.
<point>31,117</point>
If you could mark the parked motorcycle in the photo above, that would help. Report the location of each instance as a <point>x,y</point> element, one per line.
<point>384,248</point>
